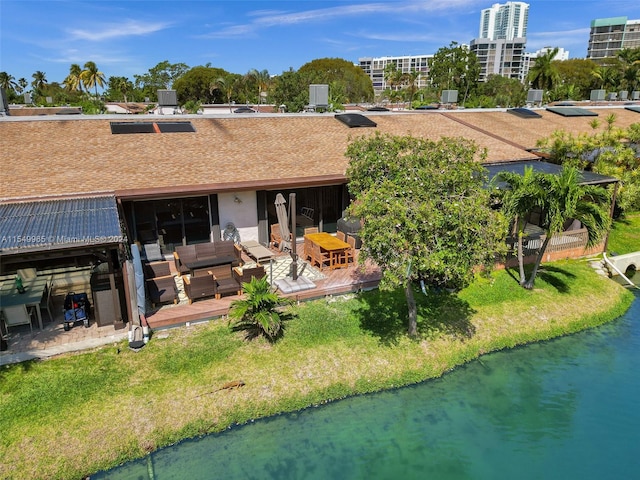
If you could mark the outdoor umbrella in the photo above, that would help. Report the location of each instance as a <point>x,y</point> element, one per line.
<point>283,220</point>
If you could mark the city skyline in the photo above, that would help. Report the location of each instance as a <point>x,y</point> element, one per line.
<point>129,38</point>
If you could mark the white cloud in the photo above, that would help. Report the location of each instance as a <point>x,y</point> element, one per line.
<point>127,28</point>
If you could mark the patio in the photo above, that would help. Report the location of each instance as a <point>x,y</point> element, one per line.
<point>53,340</point>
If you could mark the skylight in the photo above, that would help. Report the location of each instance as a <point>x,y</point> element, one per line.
<point>572,112</point>
<point>524,113</point>
<point>352,120</point>
<point>151,127</point>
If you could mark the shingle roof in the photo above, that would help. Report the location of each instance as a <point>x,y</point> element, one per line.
<point>70,156</point>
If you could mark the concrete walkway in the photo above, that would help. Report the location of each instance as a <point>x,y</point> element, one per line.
<point>53,340</point>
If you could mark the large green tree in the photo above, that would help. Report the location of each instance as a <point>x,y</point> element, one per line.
<point>455,68</point>
<point>426,212</point>
<point>291,90</point>
<point>160,77</point>
<point>195,85</point>
<point>355,84</point>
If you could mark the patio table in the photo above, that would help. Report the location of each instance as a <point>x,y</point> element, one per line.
<point>34,291</point>
<point>257,251</point>
<point>333,246</point>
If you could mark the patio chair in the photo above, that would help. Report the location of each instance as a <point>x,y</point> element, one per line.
<point>162,289</point>
<point>244,275</point>
<point>341,236</point>
<point>307,252</point>
<point>319,257</point>
<point>16,315</point>
<point>276,237</point>
<point>199,287</point>
<point>152,252</point>
<point>225,281</point>
<point>310,230</point>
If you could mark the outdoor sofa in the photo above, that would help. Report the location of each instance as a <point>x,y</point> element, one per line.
<point>197,259</point>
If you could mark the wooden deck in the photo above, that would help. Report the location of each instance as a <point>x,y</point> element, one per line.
<point>338,281</point>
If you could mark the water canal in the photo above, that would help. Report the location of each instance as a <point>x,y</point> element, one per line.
<point>566,408</point>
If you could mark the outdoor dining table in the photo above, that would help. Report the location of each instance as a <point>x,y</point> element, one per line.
<point>34,292</point>
<point>333,246</point>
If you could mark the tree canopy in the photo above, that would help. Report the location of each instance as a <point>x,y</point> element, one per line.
<point>455,68</point>
<point>426,214</point>
<point>351,79</point>
<point>196,83</point>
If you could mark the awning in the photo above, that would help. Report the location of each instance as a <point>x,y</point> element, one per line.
<point>46,225</point>
<point>586,178</point>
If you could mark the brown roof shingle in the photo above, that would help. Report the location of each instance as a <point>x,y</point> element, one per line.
<point>79,155</point>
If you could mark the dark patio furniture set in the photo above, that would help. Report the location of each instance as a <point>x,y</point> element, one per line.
<point>197,259</point>
<point>161,286</point>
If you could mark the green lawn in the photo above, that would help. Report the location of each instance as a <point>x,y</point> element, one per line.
<point>70,416</point>
<point>625,235</point>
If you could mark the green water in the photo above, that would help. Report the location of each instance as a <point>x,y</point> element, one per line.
<point>563,409</point>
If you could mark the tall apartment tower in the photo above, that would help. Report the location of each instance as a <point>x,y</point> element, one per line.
<point>504,21</point>
<point>610,35</point>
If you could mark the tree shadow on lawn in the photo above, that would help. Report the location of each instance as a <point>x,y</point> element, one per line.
<point>548,274</point>
<point>385,315</point>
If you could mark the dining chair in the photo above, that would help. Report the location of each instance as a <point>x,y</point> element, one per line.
<point>318,256</point>
<point>310,230</point>
<point>16,315</point>
<point>340,236</point>
<point>45,303</point>
<point>352,251</point>
<point>308,247</point>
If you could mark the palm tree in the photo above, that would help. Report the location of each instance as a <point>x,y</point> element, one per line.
<point>22,84</point>
<point>544,73</point>
<point>263,79</point>
<point>92,77</point>
<point>39,81</point>
<point>226,85</point>
<point>411,80</point>
<point>521,197</point>
<point>8,82</point>
<point>73,82</point>
<point>259,312</point>
<point>563,198</point>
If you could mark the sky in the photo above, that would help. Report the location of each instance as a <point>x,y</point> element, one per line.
<point>127,38</point>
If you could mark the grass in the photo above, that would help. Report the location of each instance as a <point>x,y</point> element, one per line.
<point>70,416</point>
<point>625,235</point>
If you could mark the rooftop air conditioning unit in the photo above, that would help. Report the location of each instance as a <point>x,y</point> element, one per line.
<point>319,95</point>
<point>27,98</point>
<point>635,95</point>
<point>612,96</point>
<point>167,98</point>
<point>449,96</point>
<point>597,95</point>
<point>534,96</point>
<point>623,94</point>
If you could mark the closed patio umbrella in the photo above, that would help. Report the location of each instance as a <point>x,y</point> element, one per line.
<point>283,220</point>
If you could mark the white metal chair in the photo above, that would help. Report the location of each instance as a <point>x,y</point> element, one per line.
<point>16,315</point>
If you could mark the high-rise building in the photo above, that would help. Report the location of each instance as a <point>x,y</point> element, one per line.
<point>610,35</point>
<point>500,57</point>
<point>504,21</point>
<point>374,67</point>
<point>500,46</point>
